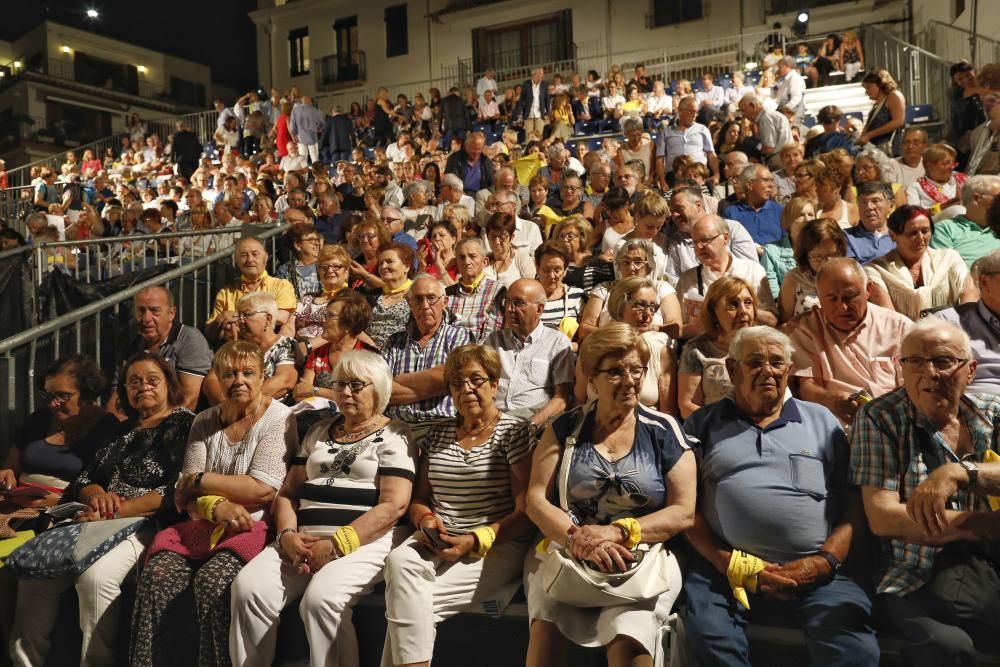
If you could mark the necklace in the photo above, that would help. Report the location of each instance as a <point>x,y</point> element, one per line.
<point>471,435</point>
<point>365,430</point>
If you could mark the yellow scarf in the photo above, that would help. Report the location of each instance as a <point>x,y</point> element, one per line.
<point>386,291</point>
<point>475,283</point>
<point>330,294</point>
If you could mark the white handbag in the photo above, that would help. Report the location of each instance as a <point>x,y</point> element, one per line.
<point>572,582</point>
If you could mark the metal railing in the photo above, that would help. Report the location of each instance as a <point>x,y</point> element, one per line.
<point>102,330</point>
<point>922,76</point>
<point>341,70</point>
<point>953,43</point>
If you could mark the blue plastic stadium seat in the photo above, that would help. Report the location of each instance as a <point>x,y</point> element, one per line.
<point>481,127</point>
<point>919,113</point>
<point>369,152</point>
<point>854,114</point>
<point>809,121</point>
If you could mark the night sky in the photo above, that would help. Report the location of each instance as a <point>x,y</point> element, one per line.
<point>217,33</point>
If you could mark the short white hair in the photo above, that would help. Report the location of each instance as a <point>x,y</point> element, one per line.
<point>752,98</point>
<point>630,123</point>
<point>987,265</point>
<point>452,181</point>
<point>747,335</point>
<point>749,173</point>
<point>844,262</point>
<point>263,301</point>
<point>977,185</point>
<point>936,326</point>
<point>367,367</point>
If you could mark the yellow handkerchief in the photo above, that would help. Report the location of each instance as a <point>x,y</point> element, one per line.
<point>992,457</point>
<point>742,575</point>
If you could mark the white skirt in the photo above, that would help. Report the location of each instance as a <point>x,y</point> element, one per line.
<point>598,626</point>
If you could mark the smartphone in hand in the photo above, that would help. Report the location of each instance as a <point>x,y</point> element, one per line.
<point>434,535</point>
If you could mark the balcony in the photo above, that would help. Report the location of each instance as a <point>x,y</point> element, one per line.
<point>340,71</point>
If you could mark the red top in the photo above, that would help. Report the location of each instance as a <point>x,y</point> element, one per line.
<point>281,136</point>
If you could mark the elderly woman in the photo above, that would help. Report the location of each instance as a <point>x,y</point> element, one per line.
<point>347,316</point>
<point>257,312</point>
<point>636,147</point>
<point>466,505</point>
<point>458,216</point>
<point>262,210</point>
<point>233,466</point>
<point>438,249</point>
<point>941,186</point>
<point>418,198</point>
<point>917,276</point>
<point>571,200</point>
<point>635,257</point>
<point>584,270</point>
<point>633,301</point>
<point>367,236</point>
<point>829,185</point>
<point>390,310</point>
<point>505,264</point>
<point>331,548</point>
<point>630,481</point>
<point>301,269</point>
<point>872,165</point>
<point>779,256</point>
<point>130,476</point>
<point>730,304</point>
<point>306,323</point>
<point>561,301</point>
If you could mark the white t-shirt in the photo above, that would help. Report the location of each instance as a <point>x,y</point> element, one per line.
<point>691,292</point>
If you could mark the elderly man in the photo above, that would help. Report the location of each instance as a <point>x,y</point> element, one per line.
<point>981,321</point>
<point>773,129</point>
<point>791,88</point>
<point>527,237</point>
<point>910,165</point>
<point>306,125</point>
<point>847,345</point>
<point>685,137</point>
<point>921,457</point>
<point>710,237</point>
<point>338,137</point>
<point>870,239</point>
<point>251,260</point>
<point>775,517</point>
<point>417,354</point>
<point>758,212</point>
<point>983,141</point>
<point>394,221</point>
<point>535,103</point>
<point>504,180</point>
<point>330,220</point>
<point>538,365</point>
<point>453,192</point>
<point>969,234</point>
<point>182,346</point>
<point>475,302</point>
<point>598,182</point>
<point>728,191</point>
<point>687,208</point>
<point>471,165</point>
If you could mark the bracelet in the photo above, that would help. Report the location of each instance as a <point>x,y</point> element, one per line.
<point>197,480</point>
<point>283,531</point>
<point>485,537</point>
<point>631,531</point>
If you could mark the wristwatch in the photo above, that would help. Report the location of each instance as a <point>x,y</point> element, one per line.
<point>973,470</point>
<point>831,559</point>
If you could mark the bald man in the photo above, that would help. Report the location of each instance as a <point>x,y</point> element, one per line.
<point>538,363</point>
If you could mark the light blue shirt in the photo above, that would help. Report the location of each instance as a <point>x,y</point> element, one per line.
<point>983,327</point>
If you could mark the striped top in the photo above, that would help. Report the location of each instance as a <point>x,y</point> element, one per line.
<point>472,488</point>
<point>570,304</point>
<point>342,478</point>
<point>405,355</point>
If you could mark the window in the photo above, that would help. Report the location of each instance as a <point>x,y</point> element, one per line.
<point>348,55</point>
<point>298,51</point>
<point>187,92</point>
<point>959,9</point>
<point>511,48</point>
<point>397,40</point>
<point>670,12</point>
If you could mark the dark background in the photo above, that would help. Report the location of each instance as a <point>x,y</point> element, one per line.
<point>217,33</point>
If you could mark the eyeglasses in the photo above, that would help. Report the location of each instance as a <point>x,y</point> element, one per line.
<point>357,386</point>
<point>429,299</point>
<point>385,221</point>
<point>617,374</point>
<point>942,365</point>
<point>758,364</point>
<point>313,239</point>
<point>704,243</point>
<point>137,382</point>
<point>569,237</point>
<point>332,268</point>
<point>803,175</point>
<point>517,303</point>
<point>57,397</point>
<point>248,315</point>
<point>475,382</point>
<point>643,307</point>
<point>633,263</point>
<point>367,237</point>
<point>820,259</point>
<point>768,179</point>
<point>572,188</point>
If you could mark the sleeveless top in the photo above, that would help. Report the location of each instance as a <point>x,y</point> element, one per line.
<point>381,123</point>
<point>878,117</point>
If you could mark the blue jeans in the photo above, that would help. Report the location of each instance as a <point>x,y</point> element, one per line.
<point>834,618</point>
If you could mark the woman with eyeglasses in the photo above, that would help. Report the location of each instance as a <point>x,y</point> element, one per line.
<point>234,464</point>
<point>562,302</point>
<point>505,264</point>
<point>367,237</point>
<point>805,179</point>
<point>571,200</point>
<point>630,481</point>
<point>390,310</point>
<point>256,313</point>
<point>633,301</point>
<point>730,304</point>
<point>132,475</point>
<point>471,535</point>
<point>306,323</point>
<point>635,257</point>
<point>337,516</point>
<point>584,270</point>
<point>300,270</point>
<point>818,241</point>
<point>919,277</point>
<point>347,316</point>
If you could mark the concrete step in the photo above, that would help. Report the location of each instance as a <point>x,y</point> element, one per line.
<point>850,97</point>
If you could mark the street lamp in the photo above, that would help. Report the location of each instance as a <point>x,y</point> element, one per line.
<point>93,14</point>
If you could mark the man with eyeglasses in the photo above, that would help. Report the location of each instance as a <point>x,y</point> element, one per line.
<point>538,362</point>
<point>869,239</point>
<point>758,212</point>
<point>910,165</point>
<point>330,220</point>
<point>981,321</point>
<point>921,456</point>
<point>475,302</point>
<point>710,238</point>
<point>968,233</point>
<point>393,219</point>
<point>845,350</point>
<point>598,182</point>
<point>452,193</point>
<point>775,517</point>
<point>417,354</point>
<point>527,237</point>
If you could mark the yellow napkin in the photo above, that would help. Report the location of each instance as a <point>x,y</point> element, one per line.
<point>742,575</point>
<point>992,457</point>
<point>526,167</point>
<point>7,546</point>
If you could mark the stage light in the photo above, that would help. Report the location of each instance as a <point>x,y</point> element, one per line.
<point>141,69</point>
<point>93,14</point>
<point>801,26</point>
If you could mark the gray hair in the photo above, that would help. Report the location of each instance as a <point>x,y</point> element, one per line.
<point>842,263</point>
<point>478,240</point>
<point>749,173</point>
<point>987,265</point>
<point>642,244</point>
<point>395,209</point>
<point>507,196</point>
<point>418,185</point>
<point>936,325</point>
<point>555,150</point>
<point>977,185</point>
<point>452,181</point>
<point>788,61</point>
<point>717,221</point>
<point>260,301</point>
<point>426,276</point>
<point>630,123</point>
<point>367,367</point>
<point>752,98</point>
<point>759,333</point>
<point>879,158</point>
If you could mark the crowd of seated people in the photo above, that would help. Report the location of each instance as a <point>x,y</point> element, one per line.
<point>778,360</point>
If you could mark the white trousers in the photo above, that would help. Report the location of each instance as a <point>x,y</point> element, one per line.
<point>269,583</point>
<point>98,589</point>
<point>310,151</point>
<point>421,590</point>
